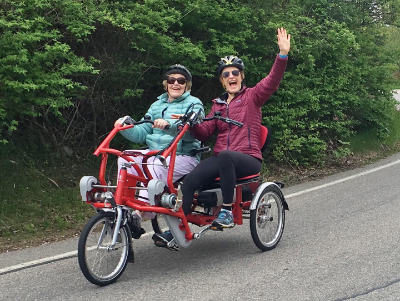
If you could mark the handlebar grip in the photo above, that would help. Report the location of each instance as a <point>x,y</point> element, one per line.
<point>196,151</point>
<point>128,120</point>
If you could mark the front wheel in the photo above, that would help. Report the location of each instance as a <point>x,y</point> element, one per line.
<point>268,219</point>
<point>155,224</point>
<point>101,263</point>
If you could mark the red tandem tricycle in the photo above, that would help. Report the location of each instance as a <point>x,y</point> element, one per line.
<point>105,244</point>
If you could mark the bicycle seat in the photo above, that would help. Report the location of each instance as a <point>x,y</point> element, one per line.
<point>243,179</point>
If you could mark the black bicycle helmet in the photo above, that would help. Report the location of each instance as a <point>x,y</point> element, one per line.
<point>179,69</point>
<point>229,61</point>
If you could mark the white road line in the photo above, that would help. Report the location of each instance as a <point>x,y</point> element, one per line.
<point>33,263</point>
<point>46,260</point>
<point>342,180</point>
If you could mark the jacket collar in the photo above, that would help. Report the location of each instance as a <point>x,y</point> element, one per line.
<point>164,97</point>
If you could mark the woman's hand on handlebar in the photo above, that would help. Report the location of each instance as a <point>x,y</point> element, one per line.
<point>161,124</point>
<point>190,116</point>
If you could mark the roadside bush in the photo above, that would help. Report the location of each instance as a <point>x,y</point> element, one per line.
<point>68,69</point>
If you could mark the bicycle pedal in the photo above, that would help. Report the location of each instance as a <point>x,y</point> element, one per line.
<point>172,245</point>
<point>163,243</point>
<point>216,227</point>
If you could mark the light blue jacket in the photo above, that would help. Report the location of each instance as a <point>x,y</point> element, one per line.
<point>156,138</point>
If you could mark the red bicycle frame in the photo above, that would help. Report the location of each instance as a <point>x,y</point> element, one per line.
<point>125,189</point>
<point>125,194</point>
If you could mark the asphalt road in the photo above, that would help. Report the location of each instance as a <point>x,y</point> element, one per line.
<point>341,242</point>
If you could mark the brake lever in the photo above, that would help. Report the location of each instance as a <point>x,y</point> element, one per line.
<point>237,123</point>
<point>128,120</point>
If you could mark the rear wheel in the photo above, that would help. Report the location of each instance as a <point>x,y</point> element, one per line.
<point>100,263</point>
<point>268,219</point>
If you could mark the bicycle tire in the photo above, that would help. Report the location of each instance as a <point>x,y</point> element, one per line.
<point>267,221</point>
<point>99,263</point>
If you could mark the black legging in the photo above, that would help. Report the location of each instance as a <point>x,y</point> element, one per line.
<point>228,165</point>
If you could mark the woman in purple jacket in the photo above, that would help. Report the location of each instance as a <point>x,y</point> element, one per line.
<point>237,151</point>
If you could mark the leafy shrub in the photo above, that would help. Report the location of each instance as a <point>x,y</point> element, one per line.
<point>70,68</point>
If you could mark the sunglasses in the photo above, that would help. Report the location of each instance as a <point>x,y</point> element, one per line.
<point>227,73</point>
<point>181,80</point>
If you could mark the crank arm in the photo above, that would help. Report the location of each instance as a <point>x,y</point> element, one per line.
<point>172,245</point>
<point>201,233</point>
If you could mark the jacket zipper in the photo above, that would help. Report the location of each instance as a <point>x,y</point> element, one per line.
<point>248,136</point>
<point>229,133</point>
<point>163,111</point>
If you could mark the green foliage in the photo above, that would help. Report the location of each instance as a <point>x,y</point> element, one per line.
<point>36,64</point>
<point>70,68</point>
<point>392,48</point>
<point>338,83</point>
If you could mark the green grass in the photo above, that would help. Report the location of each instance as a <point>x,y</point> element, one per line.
<point>369,140</point>
<point>39,199</point>
<point>394,130</point>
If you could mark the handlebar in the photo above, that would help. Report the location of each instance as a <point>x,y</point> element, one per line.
<point>193,118</point>
<point>189,118</point>
<point>147,119</point>
<point>129,122</point>
<point>217,115</point>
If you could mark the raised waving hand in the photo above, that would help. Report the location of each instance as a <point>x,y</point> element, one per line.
<point>283,41</point>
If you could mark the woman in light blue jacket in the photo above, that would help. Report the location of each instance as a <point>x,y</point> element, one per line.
<point>177,83</point>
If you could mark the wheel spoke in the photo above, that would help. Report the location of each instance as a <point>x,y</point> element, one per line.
<point>266,221</point>
<point>100,263</point>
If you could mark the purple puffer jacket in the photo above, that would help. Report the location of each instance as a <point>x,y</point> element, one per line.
<point>246,108</point>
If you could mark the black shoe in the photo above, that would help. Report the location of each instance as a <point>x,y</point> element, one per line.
<point>137,232</point>
<point>134,225</point>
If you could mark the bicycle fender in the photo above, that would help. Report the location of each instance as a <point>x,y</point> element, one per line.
<point>260,189</point>
<point>85,185</point>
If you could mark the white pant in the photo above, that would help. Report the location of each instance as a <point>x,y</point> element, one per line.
<point>183,165</point>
